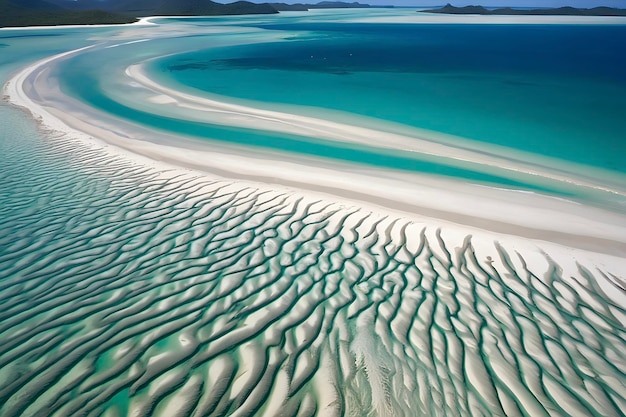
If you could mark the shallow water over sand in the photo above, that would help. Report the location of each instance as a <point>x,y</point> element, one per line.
<point>528,94</point>
<point>133,287</point>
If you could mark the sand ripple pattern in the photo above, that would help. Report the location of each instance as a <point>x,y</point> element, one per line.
<point>129,291</point>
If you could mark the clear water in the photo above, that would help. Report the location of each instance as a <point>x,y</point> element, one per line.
<point>557,90</point>
<point>125,290</point>
<point>553,91</point>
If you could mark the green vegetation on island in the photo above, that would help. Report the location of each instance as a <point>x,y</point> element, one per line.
<point>41,13</point>
<point>303,7</point>
<point>16,13</point>
<point>508,11</point>
<point>206,8</point>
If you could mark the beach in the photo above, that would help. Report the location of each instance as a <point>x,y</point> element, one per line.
<point>153,273</point>
<point>478,206</point>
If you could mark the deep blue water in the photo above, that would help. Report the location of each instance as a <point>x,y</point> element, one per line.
<point>572,50</point>
<point>556,90</point>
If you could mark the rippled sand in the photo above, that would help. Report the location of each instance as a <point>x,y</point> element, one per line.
<point>130,291</point>
<point>132,287</point>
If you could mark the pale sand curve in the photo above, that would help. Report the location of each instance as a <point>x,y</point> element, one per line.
<point>134,287</point>
<point>161,294</point>
<point>143,21</point>
<point>524,214</point>
<point>438,145</point>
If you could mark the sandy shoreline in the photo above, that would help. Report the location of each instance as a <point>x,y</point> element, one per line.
<point>522,214</point>
<point>143,21</point>
<point>176,277</point>
<point>434,146</point>
<point>421,18</point>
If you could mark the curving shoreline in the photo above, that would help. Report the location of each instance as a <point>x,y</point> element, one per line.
<point>428,145</point>
<point>147,275</point>
<point>540,217</point>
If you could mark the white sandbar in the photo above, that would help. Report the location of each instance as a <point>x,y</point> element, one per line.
<point>427,199</point>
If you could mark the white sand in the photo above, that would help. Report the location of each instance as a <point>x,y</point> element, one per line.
<point>378,197</point>
<point>144,21</point>
<point>201,109</point>
<point>426,199</point>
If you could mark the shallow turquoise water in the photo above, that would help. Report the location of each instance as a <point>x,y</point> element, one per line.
<point>83,68</point>
<point>511,86</point>
<point>124,291</point>
<point>555,90</point>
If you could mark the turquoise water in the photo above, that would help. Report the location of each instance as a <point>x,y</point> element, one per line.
<point>553,90</point>
<point>128,290</point>
<point>83,68</point>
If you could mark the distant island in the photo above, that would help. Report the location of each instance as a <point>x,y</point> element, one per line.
<point>303,7</point>
<point>16,13</point>
<point>507,11</point>
<point>39,13</point>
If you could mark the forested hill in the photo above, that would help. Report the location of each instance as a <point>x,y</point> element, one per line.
<point>15,13</point>
<point>321,5</point>
<point>143,8</point>
<point>83,12</point>
<point>507,11</point>
<point>41,13</point>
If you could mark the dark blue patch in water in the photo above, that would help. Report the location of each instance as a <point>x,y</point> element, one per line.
<point>585,50</point>
<point>556,90</point>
